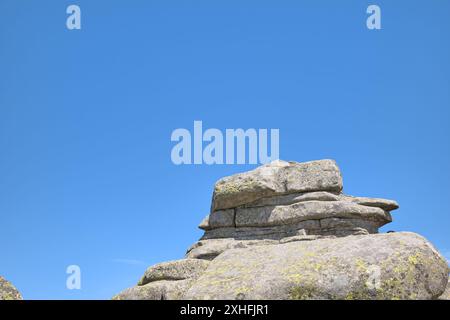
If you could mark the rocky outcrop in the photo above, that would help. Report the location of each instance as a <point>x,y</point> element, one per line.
<point>8,291</point>
<point>286,231</point>
<point>286,200</point>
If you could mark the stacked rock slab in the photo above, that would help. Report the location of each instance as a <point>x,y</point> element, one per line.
<point>286,231</point>
<point>285,201</point>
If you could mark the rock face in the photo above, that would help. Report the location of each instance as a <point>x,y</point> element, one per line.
<point>446,294</point>
<point>391,266</point>
<point>286,231</point>
<point>275,178</point>
<point>8,291</point>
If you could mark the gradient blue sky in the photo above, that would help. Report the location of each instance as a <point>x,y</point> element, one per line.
<point>86,117</point>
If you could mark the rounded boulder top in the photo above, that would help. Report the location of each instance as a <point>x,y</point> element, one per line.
<point>8,291</point>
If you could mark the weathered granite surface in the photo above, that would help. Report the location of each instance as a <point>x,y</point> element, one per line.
<point>8,291</point>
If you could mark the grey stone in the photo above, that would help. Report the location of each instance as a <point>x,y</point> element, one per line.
<point>328,226</point>
<point>380,266</point>
<point>218,219</point>
<point>174,270</point>
<point>343,232</point>
<point>8,291</point>
<point>275,232</point>
<point>204,224</point>
<point>308,210</point>
<point>293,198</point>
<point>276,178</point>
<point>159,290</point>
<point>345,223</point>
<point>321,175</point>
<point>308,229</point>
<point>303,238</point>
<point>446,294</point>
<point>210,249</point>
<point>385,204</point>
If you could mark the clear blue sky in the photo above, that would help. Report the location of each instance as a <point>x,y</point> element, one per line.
<point>86,117</point>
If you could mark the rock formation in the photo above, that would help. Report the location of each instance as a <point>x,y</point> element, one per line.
<point>286,231</point>
<point>8,291</point>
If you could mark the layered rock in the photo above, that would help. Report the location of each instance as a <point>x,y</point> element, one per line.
<point>8,291</point>
<point>286,231</point>
<point>283,200</point>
